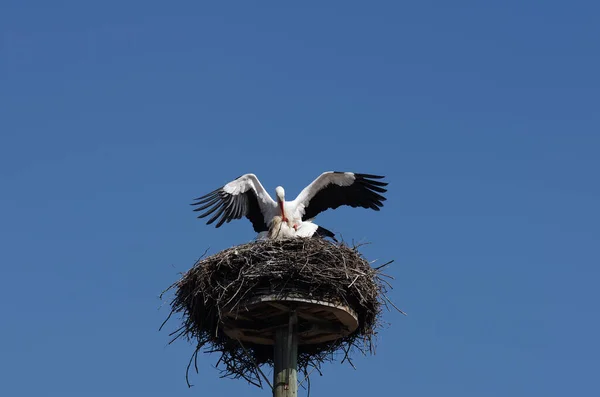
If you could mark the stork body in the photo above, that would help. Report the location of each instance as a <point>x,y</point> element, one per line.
<point>281,219</point>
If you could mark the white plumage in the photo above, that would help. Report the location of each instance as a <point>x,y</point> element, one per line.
<point>246,197</point>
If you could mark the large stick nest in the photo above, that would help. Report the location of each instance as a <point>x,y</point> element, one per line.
<point>311,267</point>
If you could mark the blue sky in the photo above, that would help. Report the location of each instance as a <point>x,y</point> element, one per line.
<point>484,117</point>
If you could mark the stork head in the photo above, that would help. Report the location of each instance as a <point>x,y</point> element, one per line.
<point>280,194</point>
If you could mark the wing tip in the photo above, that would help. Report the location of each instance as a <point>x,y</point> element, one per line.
<point>369,176</point>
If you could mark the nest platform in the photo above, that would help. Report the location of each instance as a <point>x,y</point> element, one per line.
<point>232,303</point>
<point>256,320</point>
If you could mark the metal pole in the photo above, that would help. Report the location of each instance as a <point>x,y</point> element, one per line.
<point>285,377</point>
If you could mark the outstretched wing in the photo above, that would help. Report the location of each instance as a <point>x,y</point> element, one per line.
<point>244,196</point>
<point>333,189</point>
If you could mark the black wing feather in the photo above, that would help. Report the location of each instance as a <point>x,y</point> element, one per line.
<point>207,204</point>
<point>217,215</point>
<point>364,192</point>
<point>229,207</point>
<point>207,197</point>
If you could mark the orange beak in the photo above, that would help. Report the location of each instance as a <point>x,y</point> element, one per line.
<point>283,218</point>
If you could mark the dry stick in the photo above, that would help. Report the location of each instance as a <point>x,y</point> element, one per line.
<point>237,292</point>
<point>345,267</point>
<point>385,281</point>
<point>306,377</point>
<point>255,364</point>
<point>380,274</point>
<point>164,322</point>
<point>352,283</point>
<point>166,290</point>
<point>346,351</point>
<point>180,331</point>
<point>392,303</point>
<point>187,370</point>
<point>347,357</point>
<point>384,265</point>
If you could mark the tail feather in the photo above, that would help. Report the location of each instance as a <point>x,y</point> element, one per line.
<point>321,231</point>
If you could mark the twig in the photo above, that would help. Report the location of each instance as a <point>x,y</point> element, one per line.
<point>255,364</point>
<point>392,303</point>
<point>384,265</point>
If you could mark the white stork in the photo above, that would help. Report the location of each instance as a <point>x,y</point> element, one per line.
<point>245,196</point>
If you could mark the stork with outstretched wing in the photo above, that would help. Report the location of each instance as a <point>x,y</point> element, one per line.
<point>246,197</point>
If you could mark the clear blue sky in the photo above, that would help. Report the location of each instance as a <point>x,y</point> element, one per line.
<point>485,117</point>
